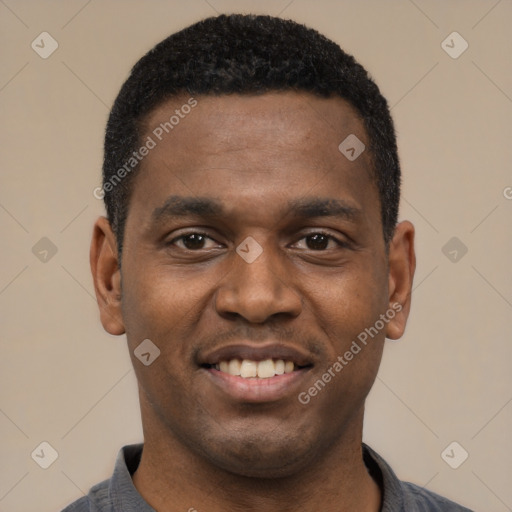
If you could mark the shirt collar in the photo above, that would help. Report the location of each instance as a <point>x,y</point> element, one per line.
<point>390,486</point>
<point>122,492</point>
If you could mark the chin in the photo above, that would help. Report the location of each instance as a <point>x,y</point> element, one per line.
<point>261,457</point>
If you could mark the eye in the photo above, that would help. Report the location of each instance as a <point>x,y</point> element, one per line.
<point>319,242</point>
<point>194,242</point>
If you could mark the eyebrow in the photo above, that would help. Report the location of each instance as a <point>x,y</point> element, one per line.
<point>305,208</point>
<point>308,208</point>
<point>179,206</point>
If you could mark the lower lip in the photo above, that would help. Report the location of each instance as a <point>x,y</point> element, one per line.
<point>257,390</point>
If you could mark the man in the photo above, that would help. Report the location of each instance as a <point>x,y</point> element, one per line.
<point>253,258</point>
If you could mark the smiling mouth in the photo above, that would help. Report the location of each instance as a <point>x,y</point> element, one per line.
<point>249,369</point>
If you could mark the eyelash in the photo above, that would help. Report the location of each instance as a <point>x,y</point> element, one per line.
<point>339,242</point>
<point>189,233</point>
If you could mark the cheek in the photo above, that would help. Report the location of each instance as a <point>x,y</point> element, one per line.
<point>348,310</point>
<point>347,304</point>
<point>155,308</point>
<point>161,305</point>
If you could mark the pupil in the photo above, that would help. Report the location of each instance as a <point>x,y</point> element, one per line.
<point>317,242</point>
<point>194,241</point>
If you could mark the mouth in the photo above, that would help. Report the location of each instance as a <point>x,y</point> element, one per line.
<point>248,373</point>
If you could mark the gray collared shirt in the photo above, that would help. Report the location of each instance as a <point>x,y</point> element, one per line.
<point>118,494</point>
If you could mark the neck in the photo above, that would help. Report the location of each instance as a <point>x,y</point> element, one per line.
<point>171,478</point>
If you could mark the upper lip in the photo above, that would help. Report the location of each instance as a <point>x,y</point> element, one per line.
<point>257,352</point>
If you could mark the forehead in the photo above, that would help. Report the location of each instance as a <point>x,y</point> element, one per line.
<point>259,148</point>
<point>285,119</point>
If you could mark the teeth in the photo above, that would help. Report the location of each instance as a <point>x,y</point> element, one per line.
<point>250,369</point>
<point>279,364</point>
<point>266,369</point>
<point>234,367</point>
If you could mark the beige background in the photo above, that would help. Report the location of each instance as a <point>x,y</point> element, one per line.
<point>64,381</point>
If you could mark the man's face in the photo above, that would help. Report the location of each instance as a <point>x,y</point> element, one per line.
<point>257,173</point>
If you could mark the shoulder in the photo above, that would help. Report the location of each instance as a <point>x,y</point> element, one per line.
<point>96,501</point>
<point>118,492</point>
<point>404,496</point>
<point>427,501</point>
<point>81,505</point>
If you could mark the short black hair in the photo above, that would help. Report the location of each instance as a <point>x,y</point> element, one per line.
<point>245,54</point>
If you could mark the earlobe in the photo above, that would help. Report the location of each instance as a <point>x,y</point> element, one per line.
<point>402,264</point>
<point>107,276</point>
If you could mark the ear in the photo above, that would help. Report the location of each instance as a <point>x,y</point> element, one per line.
<point>402,264</point>
<point>107,276</point>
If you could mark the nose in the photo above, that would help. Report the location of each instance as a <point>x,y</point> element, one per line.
<point>259,290</point>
